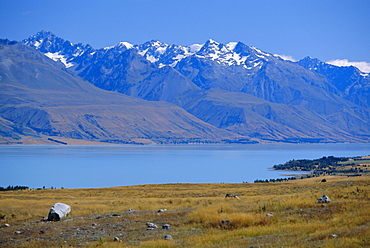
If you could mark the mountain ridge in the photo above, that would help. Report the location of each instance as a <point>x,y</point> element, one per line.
<point>43,99</point>
<point>294,94</point>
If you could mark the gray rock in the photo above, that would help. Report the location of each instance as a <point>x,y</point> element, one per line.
<point>323,199</point>
<point>226,222</point>
<point>270,215</point>
<point>151,225</point>
<point>167,237</point>
<point>166,226</point>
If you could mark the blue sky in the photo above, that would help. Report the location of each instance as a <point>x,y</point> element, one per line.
<point>323,29</point>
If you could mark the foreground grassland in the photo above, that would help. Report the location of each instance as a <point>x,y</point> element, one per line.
<point>283,214</point>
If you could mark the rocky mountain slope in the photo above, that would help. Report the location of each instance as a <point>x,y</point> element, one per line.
<point>350,81</point>
<point>255,117</point>
<point>232,86</point>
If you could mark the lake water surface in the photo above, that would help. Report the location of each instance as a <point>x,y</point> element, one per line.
<point>107,166</point>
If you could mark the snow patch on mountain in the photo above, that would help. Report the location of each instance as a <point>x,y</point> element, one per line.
<point>260,52</point>
<point>108,48</point>
<point>161,50</point>
<point>195,48</point>
<point>231,45</point>
<point>37,44</point>
<point>151,58</point>
<point>58,57</point>
<point>143,52</point>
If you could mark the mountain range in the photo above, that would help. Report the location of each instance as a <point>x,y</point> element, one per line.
<point>209,92</point>
<point>40,100</point>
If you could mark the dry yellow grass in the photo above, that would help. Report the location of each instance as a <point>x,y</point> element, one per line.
<point>199,215</point>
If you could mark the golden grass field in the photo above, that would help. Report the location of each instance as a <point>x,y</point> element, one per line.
<point>195,213</point>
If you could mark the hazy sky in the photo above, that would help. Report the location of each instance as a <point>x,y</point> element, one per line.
<point>323,29</point>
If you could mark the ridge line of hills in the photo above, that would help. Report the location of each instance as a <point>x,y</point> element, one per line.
<point>210,93</point>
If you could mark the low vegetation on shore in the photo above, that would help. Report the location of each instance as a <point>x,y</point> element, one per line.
<point>280,214</point>
<point>354,166</point>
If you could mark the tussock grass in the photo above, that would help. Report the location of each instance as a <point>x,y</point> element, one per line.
<point>267,215</point>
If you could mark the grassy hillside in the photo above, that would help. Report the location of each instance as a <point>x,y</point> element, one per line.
<point>266,215</point>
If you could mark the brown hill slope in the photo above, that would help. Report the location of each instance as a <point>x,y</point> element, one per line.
<point>248,115</point>
<point>39,98</point>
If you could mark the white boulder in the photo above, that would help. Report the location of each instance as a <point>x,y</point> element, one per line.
<point>58,211</point>
<point>323,199</point>
<point>151,225</point>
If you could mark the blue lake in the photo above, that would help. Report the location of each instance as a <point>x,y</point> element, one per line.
<point>107,166</point>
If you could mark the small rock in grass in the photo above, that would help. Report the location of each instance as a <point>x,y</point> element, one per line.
<point>151,225</point>
<point>6,225</point>
<point>323,199</point>
<point>167,237</point>
<point>226,222</point>
<point>166,226</point>
<point>116,239</point>
<point>333,236</point>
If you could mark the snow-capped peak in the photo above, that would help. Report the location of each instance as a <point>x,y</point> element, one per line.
<point>232,53</point>
<point>155,51</point>
<point>157,43</point>
<point>211,44</point>
<point>211,49</point>
<point>212,41</point>
<point>152,50</point>
<point>126,44</point>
